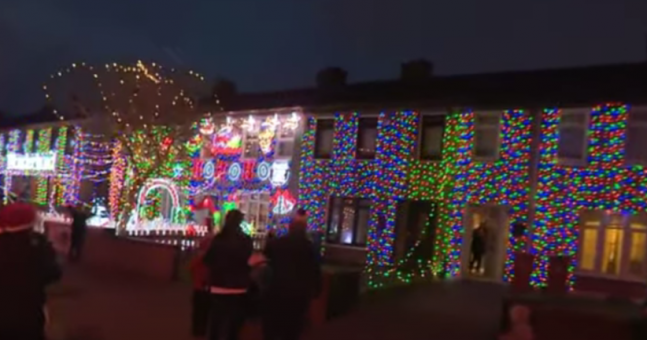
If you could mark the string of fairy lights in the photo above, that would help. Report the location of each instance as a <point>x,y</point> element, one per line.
<point>147,105</point>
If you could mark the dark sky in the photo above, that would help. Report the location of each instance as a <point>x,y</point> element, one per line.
<point>277,44</point>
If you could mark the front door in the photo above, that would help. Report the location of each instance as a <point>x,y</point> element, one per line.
<point>485,242</point>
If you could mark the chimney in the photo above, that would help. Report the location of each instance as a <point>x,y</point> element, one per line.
<point>331,78</point>
<point>416,70</point>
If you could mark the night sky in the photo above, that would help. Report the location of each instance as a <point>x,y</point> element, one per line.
<point>278,44</point>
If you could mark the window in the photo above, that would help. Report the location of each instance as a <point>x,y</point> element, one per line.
<point>324,138</point>
<point>613,245</point>
<point>366,138</point>
<point>252,147</point>
<point>486,136</point>
<point>285,142</point>
<point>256,207</point>
<point>635,151</point>
<point>431,137</point>
<point>348,221</point>
<point>573,127</point>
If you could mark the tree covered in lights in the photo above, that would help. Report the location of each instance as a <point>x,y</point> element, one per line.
<point>147,110</point>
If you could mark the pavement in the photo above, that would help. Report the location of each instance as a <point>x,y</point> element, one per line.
<point>92,305</point>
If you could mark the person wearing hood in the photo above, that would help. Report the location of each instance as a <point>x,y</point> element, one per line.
<point>28,265</point>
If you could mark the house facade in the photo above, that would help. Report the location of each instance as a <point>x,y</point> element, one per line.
<point>388,187</point>
<point>400,184</point>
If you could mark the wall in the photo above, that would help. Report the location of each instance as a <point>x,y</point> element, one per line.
<point>394,174</point>
<point>605,183</point>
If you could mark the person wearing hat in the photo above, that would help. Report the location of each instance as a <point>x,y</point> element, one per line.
<point>227,262</point>
<point>27,266</point>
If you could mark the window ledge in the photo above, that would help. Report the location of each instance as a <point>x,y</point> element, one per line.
<point>609,277</point>
<point>346,246</point>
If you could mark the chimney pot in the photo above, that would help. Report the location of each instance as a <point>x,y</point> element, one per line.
<point>416,70</point>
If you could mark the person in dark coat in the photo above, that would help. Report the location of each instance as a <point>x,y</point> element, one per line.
<point>295,280</point>
<point>27,266</point>
<point>79,229</point>
<point>639,325</point>
<point>477,249</point>
<point>227,261</point>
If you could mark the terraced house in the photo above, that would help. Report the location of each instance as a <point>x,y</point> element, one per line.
<point>400,174</point>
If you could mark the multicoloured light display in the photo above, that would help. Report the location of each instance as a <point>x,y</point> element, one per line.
<point>246,162</point>
<point>604,183</point>
<point>50,167</point>
<point>395,174</point>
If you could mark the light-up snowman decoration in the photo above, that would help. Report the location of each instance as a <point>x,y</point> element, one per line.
<point>100,214</point>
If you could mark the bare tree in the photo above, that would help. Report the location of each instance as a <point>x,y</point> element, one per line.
<point>148,111</point>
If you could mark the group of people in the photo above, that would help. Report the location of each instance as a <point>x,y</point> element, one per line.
<point>233,283</point>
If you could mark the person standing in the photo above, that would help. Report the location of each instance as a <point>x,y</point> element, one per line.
<point>227,261</point>
<point>295,280</point>
<point>200,301</point>
<point>477,249</point>
<point>78,232</point>
<point>27,266</point>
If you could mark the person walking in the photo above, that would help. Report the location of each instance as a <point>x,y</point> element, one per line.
<point>27,266</point>
<point>227,260</point>
<point>78,232</point>
<point>294,281</point>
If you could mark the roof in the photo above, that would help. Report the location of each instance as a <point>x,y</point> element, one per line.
<point>566,87</point>
<point>42,116</point>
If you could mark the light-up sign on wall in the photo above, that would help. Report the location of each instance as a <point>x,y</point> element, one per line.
<point>31,161</point>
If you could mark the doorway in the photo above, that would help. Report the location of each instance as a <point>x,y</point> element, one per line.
<point>413,220</point>
<point>485,242</point>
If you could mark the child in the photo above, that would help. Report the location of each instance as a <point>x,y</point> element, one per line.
<point>519,327</point>
<point>201,295</point>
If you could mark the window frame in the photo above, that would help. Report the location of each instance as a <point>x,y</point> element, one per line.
<point>246,199</point>
<point>575,162</point>
<point>374,122</point>
<point>638,124</point>
<point>604,220</point>
<point>426,121</point>
<point>280,139</point>
<point>246,139</point>
<point>327,122</point>
<point>497,150</point>
<point>356,204</point>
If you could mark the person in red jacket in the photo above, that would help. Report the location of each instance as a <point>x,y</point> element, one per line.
<point>28,265</point>
<point>201,299</point>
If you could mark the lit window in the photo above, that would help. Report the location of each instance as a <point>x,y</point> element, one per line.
<point>366,138</point>
<point>324,137</point>
<point>486,136</point>
<point>348,221</point>
<point>573,127</point>
<point>431,141</point>
<point>635,151</point>
<point>256,207</point>
<point>252,146</point>
<point>285,142</point>
<point>613,245</point>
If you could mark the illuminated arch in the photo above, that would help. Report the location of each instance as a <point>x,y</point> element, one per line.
<point>158,183</point>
